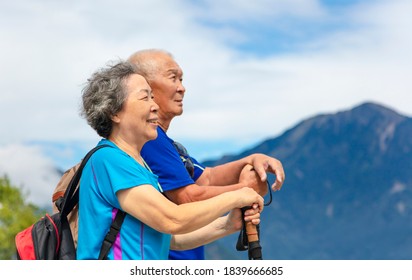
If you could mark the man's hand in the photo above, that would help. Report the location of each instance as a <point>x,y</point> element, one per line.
<point>251,179</point>
<point>263,164</point>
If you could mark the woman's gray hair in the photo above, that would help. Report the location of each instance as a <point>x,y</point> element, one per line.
<point>104,95</point>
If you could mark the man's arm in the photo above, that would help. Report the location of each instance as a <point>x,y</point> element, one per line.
<point>247,177</point>
<point>228,173</point>
<point>195,192</point>
<point>227,177</point>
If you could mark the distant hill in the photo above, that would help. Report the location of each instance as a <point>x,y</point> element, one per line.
<point>348,189</point>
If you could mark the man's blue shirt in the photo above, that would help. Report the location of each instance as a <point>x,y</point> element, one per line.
<point>164,160</point>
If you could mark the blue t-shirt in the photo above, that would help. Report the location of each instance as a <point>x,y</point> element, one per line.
<point>106,172</point>
<point>164,160</point>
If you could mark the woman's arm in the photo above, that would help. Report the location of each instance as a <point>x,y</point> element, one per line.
<point>219,228</point>
<point>152,208</point>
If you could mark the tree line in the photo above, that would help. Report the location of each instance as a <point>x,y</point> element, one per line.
<point>15,215</point>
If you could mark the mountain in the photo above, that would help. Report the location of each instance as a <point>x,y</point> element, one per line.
<point>347,193</point>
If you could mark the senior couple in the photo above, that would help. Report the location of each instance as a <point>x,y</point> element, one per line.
<point>174,205</point>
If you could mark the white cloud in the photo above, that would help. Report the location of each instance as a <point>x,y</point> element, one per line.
<point>49,49</point>
<point>252,96</point>
<point>28,168</point>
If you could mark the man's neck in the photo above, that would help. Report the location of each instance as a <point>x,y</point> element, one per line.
<point>164,125</point>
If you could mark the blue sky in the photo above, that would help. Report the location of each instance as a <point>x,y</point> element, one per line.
<point>252,69</point>
<point>276,33</point>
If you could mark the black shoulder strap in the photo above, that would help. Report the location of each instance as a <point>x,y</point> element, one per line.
<point>111,235</point>
<point>71,198</point>
<point>71,195</point>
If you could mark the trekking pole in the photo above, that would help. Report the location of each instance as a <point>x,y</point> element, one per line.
<point>252,232</point>
<point>249,235</point>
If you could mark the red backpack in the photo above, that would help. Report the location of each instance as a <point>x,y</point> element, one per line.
<point>51,238</point>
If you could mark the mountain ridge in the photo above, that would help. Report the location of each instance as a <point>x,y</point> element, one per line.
<point>348,185</point>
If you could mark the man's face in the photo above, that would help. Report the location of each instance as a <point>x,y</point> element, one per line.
<point>167,87</point>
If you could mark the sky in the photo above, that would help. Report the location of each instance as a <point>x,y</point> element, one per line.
<point>252,69</point>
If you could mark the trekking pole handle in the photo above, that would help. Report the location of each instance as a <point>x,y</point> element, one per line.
<point>252,234</point>
<point>251,229</point>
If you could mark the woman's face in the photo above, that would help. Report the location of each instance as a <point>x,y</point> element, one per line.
<point>137,121</point>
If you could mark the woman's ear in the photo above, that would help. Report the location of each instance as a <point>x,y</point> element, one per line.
<point>115,118</point>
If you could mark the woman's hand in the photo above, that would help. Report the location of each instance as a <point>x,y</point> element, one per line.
<point>235,222</point>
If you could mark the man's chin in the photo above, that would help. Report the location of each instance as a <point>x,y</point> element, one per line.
<point>179,112</point>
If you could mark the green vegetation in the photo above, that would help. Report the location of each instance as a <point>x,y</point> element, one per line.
<point>15,215</point>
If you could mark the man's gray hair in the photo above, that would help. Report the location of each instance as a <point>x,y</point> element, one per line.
<point>147,63</point>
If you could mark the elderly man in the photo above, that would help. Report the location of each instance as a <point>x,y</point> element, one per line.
<point>181,176</point>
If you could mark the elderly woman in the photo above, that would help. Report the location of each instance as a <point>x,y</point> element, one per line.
<point>118,104</point>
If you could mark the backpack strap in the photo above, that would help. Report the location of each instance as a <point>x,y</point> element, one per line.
<point>71,198</point>
<point>71,195</point>
<point>112,234</point>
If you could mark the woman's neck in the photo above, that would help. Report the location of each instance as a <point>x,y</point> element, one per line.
<point>127,148</point>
